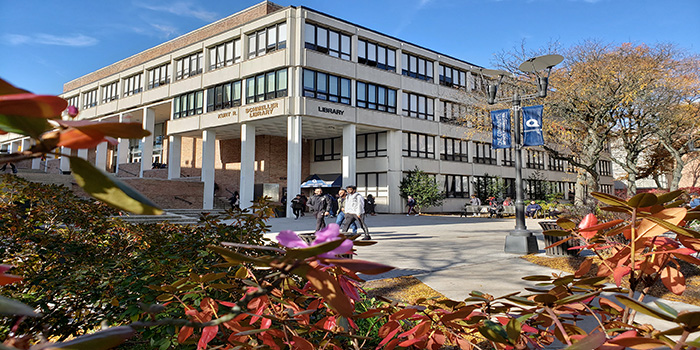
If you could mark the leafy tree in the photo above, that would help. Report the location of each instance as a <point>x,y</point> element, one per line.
<point>422,187</point>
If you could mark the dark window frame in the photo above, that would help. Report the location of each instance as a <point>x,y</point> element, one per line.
<point>414,70</point>
<point>371,151</point>
<point>343,48</point>
<point>373,96</point>
<point>343,87</point>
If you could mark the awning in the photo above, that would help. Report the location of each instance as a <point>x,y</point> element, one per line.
<point>323,180</point>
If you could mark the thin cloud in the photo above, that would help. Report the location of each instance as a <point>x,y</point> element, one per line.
<point>181,8</point>
<point>165,30</point>
<point>77,40</point>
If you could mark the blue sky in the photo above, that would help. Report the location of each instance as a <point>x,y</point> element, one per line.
<point>47,43</point>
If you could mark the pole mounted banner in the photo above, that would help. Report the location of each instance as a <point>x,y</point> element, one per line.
<point>532,126</point>
<point>500,124</point>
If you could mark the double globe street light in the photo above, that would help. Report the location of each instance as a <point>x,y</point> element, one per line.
<point>520,240</point>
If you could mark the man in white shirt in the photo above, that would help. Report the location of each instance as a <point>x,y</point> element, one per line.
<point>354,209</point>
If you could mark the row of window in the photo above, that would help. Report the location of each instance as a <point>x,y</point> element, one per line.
<point>266,86</point>
<point>418,106</point>
<point>367,146</point>
<point>376,55</point>
<point>327,41</point>
<point>326,87</point>
<point>373,96</point>
<point>267,40</point>
<point>224,96</point>
<point>416,67</point>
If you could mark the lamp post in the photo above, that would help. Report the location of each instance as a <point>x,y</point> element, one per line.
<point>520,240</point>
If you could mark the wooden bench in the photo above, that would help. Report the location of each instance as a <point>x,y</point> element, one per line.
<point>508,210</point>
<point>469,210</point>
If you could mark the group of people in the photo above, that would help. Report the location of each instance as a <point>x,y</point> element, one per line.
<point>350,210</point>
<point>495,208</point>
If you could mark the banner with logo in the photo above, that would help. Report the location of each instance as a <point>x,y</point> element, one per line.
<point>500,124</point>
<point>532,126</point>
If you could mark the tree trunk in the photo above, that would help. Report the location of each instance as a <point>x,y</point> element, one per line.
<point>631,184</point>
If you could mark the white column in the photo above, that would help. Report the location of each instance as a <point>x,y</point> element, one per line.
<point>349,165</point>
<point>208,157</point>
<point>26,145</point>
<point>65,161</point>
<point>247,183</point>
<point>174,156</point>
<point>395,170</point>
<point>293,160</point>
<point>101,156</point>
<point>122,146</point>
<point>149,120</point>
<point>83,153</point>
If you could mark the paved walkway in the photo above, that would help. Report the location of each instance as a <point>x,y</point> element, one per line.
<point>450,254</point>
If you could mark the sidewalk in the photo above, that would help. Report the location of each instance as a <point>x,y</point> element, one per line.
<point>450,254</point>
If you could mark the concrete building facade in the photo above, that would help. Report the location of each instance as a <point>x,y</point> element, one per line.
<point>262,100</point>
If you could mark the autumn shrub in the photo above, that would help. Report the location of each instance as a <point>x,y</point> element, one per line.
<point>82,267</point>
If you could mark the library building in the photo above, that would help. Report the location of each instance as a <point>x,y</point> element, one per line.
<point>277,100</point>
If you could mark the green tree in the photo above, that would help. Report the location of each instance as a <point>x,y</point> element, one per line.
<point>422,187</point>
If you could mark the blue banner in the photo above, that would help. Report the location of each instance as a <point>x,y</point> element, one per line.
<point>500,124</point>
<point>532,126</point>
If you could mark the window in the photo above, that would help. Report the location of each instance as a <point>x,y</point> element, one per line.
<point>535,159</point>
<point>557,164</point>
<point>327,41</point>
<point>418,106</point>
<point>266,40</point>
<point>132,85</point>
<point>110,92</point>
<point>188,104</point>
<point>376,55</point>
<point>225,54</point>
<point>158,76</point>
<point>606,189</point>
<point>371,145</point>
<point>605,168</point>
<point>327,87</point>
<point>455,150</point>
<point>90,99</point>
<point>418,145</point>
<point>507,159</point>
<point>456,186</point>
<point>377,97</point>
<point>484,153</point>
<point>372,183</point>
<point>224,96</point>
<point>453,77</point>
<point>328,149</point>
<point>536,189</point>
<point>266,86</point>
<point>73,101</point>
<point>189,66</point>
<point>570,167</point>
<point>453,113</point>
<point>416,67</point>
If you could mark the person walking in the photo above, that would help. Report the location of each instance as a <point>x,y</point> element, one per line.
<point>297,206</point>
<point>342,195</point>
<point>354,209</point>
<point>321,207</point>
<point>304,201</point>
<point>411,204</point>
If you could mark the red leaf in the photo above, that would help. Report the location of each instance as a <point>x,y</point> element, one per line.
<point>620,272</point>
<point>328,287</point>
<point>400,315</point>
<point>673,280</point>
<point>185,333</point>
<point>123,130</point>
<point>301,343</point>
<point>265,323</point>
<point>584,268</point>
<point>208,333</point>
<point>409,342</point>
<point>588,221</point>
<point>31,105</point>
<point>362,266</point>
<point>75,139</point>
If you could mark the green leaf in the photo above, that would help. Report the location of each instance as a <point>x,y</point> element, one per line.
<point>513,328</point>
<point>110,190</point>
<point>15,308</point>
<point>566,224</point>
<point>591,341</point>
<point>671,227</point>
<point>33,127</point>
<point>304,253</point>
<point>666,307</point>
<point>576,298</point>
<point>617,209</point>
<point>521,301</point>
<point>667,197</point>
<point>643,200</point>
<point>633,304</point>
<point>563,280</point>
<point>690,319</point>
<point>101,340</point>
<point>494,332</point>
<point>609,199</point>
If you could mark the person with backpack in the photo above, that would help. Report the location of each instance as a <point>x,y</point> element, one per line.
<point>354,211</point>
<point>411,204</point>
<point>297,206</point>
<point>321,207</point>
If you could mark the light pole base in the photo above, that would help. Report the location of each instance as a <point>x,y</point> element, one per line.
<point>521,242</point>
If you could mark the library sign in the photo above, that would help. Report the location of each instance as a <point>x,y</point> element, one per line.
<point>262,110</point>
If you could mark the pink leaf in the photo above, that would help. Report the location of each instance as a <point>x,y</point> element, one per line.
<point>207,335</point>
